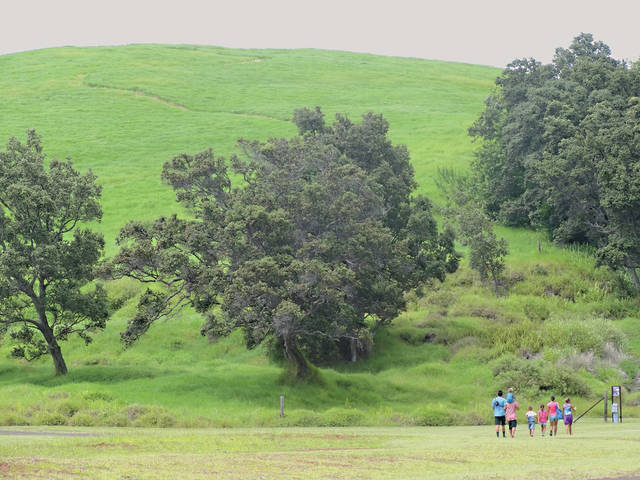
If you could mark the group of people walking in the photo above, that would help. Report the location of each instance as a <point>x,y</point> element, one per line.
<point>504,411</point>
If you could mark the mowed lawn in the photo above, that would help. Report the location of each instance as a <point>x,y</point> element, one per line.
<point>597,450</point>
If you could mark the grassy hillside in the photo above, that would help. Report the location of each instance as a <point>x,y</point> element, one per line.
<point>123,111</point>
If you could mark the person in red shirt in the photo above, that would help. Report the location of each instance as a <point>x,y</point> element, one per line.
<point>542,418</point>
<point>512,417</point>
<point>554,409</point>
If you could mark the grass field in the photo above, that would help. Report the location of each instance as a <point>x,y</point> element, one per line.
<point>123,111</point>
<point>595,451</point>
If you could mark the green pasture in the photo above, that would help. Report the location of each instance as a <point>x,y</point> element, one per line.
<point>124,111</point>
<point>595,451</point>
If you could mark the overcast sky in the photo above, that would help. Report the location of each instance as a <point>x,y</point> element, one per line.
<point>489,32</point>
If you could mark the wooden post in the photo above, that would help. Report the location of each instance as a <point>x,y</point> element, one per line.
<point>620,406</point>
<point>281,405</point>
<point>605,407</point>
<point>539,247</point>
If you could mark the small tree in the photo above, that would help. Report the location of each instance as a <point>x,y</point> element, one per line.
<point>473,227</point>
<point>486,252</point>
<point>46,259</point>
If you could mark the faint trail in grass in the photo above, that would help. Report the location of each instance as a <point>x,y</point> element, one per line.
<point>160,99</point>
<point>138,92</point>
<point>253,60</point>
<point>255,115</point>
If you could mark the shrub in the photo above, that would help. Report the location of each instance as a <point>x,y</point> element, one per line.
<point>615,308</point>
<point>434,415</point>
<point>536,309</point>
<point>411,335</point>
<point>524,335</point>
<point>97,396</point>
<point>155,417</point>
<point>301,418</point>
<point>535,376</point>
<point>443,298</point>
<point>12,418</point>
<point>49,418</point>
<point>583,335</point>
<point>343,417</point>
<point>564,381</point>
<point>135,410</point>
<point>84,419</point>
<point>471,418</point>
<point>630,366</point>
<point>119,419</point>
<point>68,408</point>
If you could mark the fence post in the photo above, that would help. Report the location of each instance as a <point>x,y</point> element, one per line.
<point>605,407</point>
<point>281,405</point>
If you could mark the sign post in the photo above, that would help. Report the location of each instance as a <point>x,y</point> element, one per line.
<point>616,404</point>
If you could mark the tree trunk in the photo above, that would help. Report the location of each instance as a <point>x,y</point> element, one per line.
<point>634,275</point>
<point>296,357</point>
<point>58,361</point>
<point>54,350</point>
<point>494,279</point>
<point>354,351</point>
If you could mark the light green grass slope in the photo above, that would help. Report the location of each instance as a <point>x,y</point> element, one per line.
<point>123,111</point>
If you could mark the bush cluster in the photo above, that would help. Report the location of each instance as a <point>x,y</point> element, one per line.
<point>535,377</point>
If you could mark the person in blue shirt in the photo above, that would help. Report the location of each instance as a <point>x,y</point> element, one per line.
<point>499,413</point>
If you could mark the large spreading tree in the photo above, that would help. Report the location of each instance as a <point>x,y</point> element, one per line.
<point>559,150</point>
<point>311,251</point>
<point>47,259</point>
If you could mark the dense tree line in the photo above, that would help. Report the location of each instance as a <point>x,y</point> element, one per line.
<point>311,249</point>
<point>560,150</point>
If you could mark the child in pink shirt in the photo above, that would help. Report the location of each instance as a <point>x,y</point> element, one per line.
<point>542,418</point>
<point>554,409</point>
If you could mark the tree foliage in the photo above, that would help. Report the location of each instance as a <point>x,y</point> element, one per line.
<point>559,150</point>
<point>311,251</point>
<point>46,258</point>
<point>473,227</point>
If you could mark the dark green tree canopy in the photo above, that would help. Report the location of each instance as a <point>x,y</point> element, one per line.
<point>555,140</point>
<point>46,258</point>
<point>312,251</point>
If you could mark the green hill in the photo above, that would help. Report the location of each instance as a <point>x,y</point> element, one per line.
<point>123,111</point>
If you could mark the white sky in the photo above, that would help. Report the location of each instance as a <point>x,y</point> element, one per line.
<point>490,32</point>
